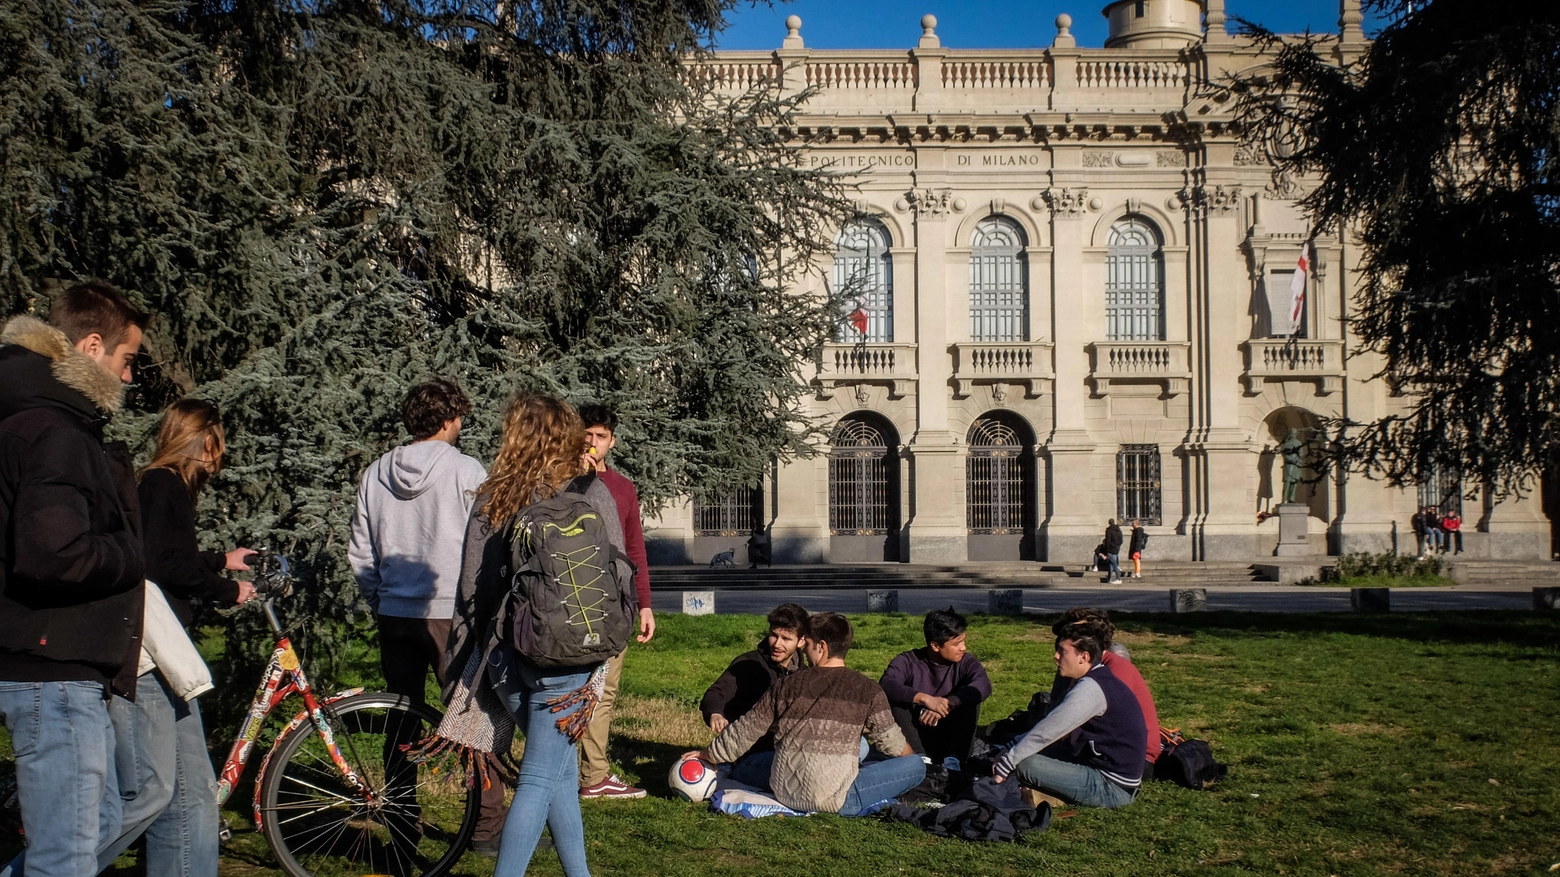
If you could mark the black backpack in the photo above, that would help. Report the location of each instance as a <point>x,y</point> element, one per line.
<point>571,606</point>
<point>1186,762</point>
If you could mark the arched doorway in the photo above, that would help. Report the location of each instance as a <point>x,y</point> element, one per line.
<point>863,490</point>
<point>999,489</point>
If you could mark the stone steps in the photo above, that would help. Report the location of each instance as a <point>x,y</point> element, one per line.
<point>894,575</point>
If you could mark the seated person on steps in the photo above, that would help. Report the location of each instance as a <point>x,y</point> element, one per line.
<point>751,674</point>
<point>1119,661</point>
<point>817,717</point>
<point>1089,748</point>
<point>936,691</point>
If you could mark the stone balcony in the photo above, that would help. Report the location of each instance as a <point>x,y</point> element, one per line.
<point>1167,363</point>
<point>1283,359</point>
<point>1000,363</point>
<point>892,364</point>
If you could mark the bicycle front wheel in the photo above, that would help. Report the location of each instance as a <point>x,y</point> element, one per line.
<point>413,822</point>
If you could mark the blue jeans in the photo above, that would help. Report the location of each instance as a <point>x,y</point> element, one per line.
<point>1115,566</point>
<point>753,769</point>
<point>548,788</point>
<point>881,781</point>
<point>184,840</point>
<point>64,747</point>
<point>1071,782</point>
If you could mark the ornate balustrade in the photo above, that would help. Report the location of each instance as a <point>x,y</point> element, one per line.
<point>846,364</point>
<point>1014,362</point>
<point>1282,359</point>
<point>1104,73</point>
<point>1135,362</point>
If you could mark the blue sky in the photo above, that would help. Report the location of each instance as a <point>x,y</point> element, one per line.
<point>977,24</point>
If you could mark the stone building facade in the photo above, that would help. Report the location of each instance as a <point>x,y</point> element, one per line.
<point>1074,286</point>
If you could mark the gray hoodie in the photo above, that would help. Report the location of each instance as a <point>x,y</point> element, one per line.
<point>410,526</point>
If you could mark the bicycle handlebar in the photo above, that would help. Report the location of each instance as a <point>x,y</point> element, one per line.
<point>273,574</point>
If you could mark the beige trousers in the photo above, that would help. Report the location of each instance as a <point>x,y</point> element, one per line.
<point>594,766</point>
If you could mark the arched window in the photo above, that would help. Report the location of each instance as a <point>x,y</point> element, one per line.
<point>861,496</point>
<point>1134,283</point>
<point>863,269</point>
<point>999,283</point>
<point>996,484</point>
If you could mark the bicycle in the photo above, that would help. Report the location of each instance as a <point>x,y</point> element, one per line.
<point>336,793</point>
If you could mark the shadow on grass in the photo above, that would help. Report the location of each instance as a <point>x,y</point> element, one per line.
<point>1526,629</point>
<point>651,761</point>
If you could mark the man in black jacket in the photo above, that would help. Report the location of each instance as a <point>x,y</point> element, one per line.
<point>751,674</point>
<point>71,595</point>
<point>1113,542</point>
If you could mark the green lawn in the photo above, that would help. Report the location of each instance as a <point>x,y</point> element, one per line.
<point>1395,744</point>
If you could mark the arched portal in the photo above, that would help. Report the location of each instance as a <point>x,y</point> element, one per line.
<point>1312,490</point>
<point>999,489</point>
<point>863,490</point>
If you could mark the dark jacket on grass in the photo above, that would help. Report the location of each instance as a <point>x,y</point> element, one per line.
<point>173,556</point>
<point>71,597</point>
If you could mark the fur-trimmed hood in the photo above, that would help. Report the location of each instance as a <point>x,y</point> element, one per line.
<point>74,370</point>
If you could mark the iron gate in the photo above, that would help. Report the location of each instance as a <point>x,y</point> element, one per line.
<point>1137,484</point>
<point>860,495</point>
<point>733,513</point>
<point>996,480</point>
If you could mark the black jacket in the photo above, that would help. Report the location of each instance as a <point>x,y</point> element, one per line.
<point>1139,540</point>
<point>71,596</point>
<point>1113,539</point>
<point>173,556</point>
<point>743,685</point>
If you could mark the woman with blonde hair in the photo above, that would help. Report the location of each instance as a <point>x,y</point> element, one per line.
<point>539,458</point>
<point>190,445</point>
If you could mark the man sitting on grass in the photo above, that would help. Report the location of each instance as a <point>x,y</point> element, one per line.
<point>751,674</point>
<point>936,691</point>
<point>1089,748</point>
<point>817,717</point>
<point>1119,661</point>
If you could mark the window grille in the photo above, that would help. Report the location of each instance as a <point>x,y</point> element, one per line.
<point>996,480</point>
<point>1137,484</point>
<point>863,268</point>
<point>1134,283</point>
<point>859,484</point>
<point>1443,489</point>
<point>733,513</point>
<point>999,283</point>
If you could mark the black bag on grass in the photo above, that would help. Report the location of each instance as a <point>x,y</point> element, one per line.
<point>1188,763</point>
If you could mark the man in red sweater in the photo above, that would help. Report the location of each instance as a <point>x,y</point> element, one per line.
<point>1116,659</point>
<point>596,777</point>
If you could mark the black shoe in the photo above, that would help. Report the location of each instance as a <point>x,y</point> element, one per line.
<point>488,849</point>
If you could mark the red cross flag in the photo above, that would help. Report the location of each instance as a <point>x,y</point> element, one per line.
<point>1297,288</point>
<point>858,318</point>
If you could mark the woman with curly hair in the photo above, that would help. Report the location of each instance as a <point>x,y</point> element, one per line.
<point>539,458</point>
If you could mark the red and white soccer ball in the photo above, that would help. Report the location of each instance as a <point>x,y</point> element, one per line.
<point>693,778</point>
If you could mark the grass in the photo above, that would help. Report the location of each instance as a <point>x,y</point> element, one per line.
<point>1386,581</point>
<point>1394,744</point>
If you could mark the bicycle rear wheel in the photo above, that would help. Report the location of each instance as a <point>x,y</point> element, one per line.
<point>414,823</point>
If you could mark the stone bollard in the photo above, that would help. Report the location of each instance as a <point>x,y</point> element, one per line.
<point>1188,600</point>
<point>1370,599</point>
<point>1005,601</point>
<point>698,602</point>
<point>882,601</point>
<point>1546,598</point>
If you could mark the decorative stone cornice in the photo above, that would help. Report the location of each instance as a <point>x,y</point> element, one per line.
<point>1216,200</point>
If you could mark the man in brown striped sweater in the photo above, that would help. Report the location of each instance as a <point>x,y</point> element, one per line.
<point>817,716</point>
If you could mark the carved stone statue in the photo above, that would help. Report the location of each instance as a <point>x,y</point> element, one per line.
<point>1294,467</point>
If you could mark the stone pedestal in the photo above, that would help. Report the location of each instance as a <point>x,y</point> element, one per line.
<point>1293,523</point>
<point>1546,598</point>
<point>1188,600</point>
<point>1005,601</point>
<point>882,601</point>
<point>698,602</point>
<point>1370,599</point>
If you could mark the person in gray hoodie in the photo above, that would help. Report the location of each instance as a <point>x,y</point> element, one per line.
<point>407,538</point>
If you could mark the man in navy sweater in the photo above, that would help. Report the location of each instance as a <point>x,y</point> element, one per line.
<point>1089,748</point>
<point>936,692</point>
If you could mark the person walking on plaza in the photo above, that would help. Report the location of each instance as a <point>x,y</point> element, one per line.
<point>71,572</point>
<point>183,841</point>
<point>1113,541</point>
<point>405,552</point>
<point>596,777</point>
<point>1136,546</point>
<point>538,460</point>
